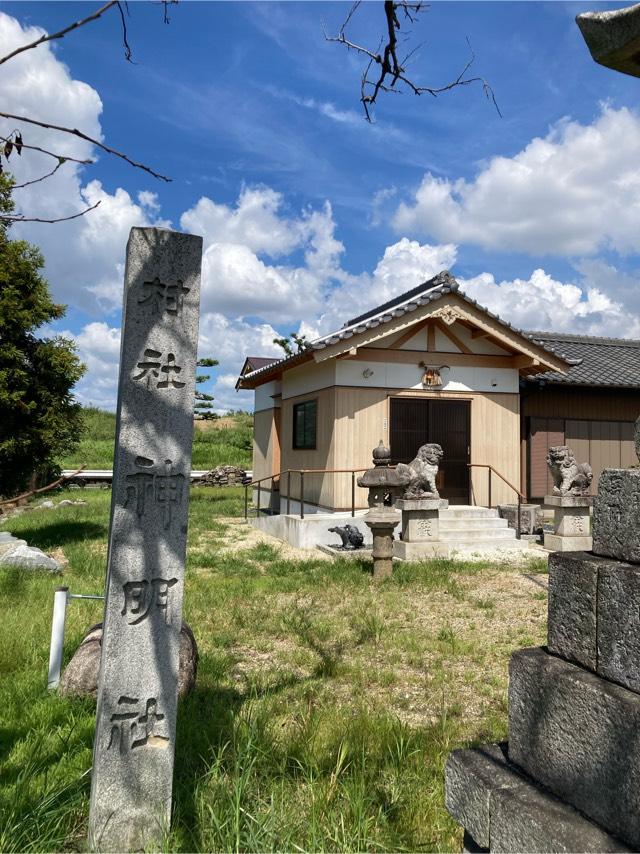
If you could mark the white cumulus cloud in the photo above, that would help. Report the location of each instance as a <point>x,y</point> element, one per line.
<point>572,193</point>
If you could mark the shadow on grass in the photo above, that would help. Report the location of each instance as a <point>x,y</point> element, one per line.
<point>61,533</point>
<point>207,725</point>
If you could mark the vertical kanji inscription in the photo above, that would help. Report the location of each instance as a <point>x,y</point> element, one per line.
<point>137,693</point>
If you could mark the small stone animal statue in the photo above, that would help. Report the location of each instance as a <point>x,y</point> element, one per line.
<point>569,477</point>
<point>350,536</point>
<point>422,472</point>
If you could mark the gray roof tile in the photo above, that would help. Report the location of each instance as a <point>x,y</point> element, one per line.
<point>611,362</point>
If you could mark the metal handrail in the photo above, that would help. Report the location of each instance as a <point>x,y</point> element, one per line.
<point>520,495</point>
<point>301,472</point>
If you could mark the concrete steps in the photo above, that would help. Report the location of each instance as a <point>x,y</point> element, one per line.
<point>477,529</point>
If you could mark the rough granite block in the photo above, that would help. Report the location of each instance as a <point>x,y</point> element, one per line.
<point>526,818</point>
<point>571,625</point>
<point>616,515</point>
<point>577,734</point>
<point>618,635</point>
<point>503,810</point>
<point>470,777</point>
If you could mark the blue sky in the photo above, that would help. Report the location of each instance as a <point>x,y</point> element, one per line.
<point>310,214</point>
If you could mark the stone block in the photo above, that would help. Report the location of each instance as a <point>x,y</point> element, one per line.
<point>616,516</point>
<point>619,623</point>
<point>470,778</point>
<point>502,810</point>
<point>560,543</point>
<point>572,606</point>
<point>568,500</point>
<point>421,550</point>
<point>420,526</point>
<point>526,818</point>
<point>594,615</point>
<point>577,734</point>
<point>530,521</point>
<point>421,504</point>
<point>572,521</point>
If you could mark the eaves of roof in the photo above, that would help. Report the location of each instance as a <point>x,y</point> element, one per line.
<point>432,290</point>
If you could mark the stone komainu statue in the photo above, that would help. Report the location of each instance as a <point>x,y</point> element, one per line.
<point>422,472</point>
<point>350,535</point>
<point>569,477</point>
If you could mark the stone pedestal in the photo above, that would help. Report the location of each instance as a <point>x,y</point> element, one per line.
<point>420,529</point>
<point>382,521</point>
<point>571,523</point>
<point>569,777</point>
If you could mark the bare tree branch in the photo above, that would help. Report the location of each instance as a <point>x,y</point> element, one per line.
<point>61,158</point>
<point>392,72</point>
<point>81,135</point>
<point>20,218</point>
<point>37,180</point>
<point>125,43</point>
<point>61,33</point>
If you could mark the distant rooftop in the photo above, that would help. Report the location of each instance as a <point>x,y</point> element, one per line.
<point>613,362</point>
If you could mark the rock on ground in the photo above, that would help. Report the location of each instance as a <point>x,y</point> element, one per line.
<point>80,677</point>
<point>28,557</point>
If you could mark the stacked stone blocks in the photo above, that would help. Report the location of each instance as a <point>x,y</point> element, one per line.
<point>569,778</point>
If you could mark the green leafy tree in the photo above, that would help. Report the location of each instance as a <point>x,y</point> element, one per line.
<point>293,344</point>
<point>39,418</point>
<point>202,408</point>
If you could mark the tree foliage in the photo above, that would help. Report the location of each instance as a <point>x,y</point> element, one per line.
<point>293,344</point>
<point>202,408</point>
<point>39,418</point>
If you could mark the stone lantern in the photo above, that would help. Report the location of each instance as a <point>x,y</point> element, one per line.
<point>381,481</point>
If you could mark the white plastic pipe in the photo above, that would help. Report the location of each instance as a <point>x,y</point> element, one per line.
<point>57,636</point>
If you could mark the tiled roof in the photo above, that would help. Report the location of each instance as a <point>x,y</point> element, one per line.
<point>260,361</point>
<point>603,361</point>
<point>410,301</point>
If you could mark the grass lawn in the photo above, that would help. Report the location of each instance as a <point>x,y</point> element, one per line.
<point>224,441</point>
<point>325,706</point>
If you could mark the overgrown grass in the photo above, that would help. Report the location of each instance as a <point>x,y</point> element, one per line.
<point>213,445</point>
<point>325,706</point>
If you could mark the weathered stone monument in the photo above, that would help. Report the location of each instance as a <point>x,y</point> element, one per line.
<point>420,506</point>
<point>570,501</point>
<point>569,778</point>
<point>383,483</point>
<point>138,686</point>
<point>613,37</point>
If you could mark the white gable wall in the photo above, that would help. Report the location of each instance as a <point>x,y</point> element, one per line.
<point>394,375</point>
<point>264,398</point>
<point>308,378</point>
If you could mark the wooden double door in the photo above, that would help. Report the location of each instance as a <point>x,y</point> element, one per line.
<point>416,421</point>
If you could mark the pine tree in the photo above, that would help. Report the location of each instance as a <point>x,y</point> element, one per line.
<point>203,406</point>
<point>39,418</point>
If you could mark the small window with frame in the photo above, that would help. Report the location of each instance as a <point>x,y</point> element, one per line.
<point>304,425</point>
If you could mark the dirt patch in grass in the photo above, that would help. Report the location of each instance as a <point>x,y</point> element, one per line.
<point>238,536</point>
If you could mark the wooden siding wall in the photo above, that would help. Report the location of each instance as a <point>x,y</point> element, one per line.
<point>597,424</point>
<point>361,416</point>
<point>266,444</point>
<point>594,404</point>
<point>317,489</point>
<point>602,444</point>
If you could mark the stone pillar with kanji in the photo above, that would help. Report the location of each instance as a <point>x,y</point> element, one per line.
<point>134,743</point>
